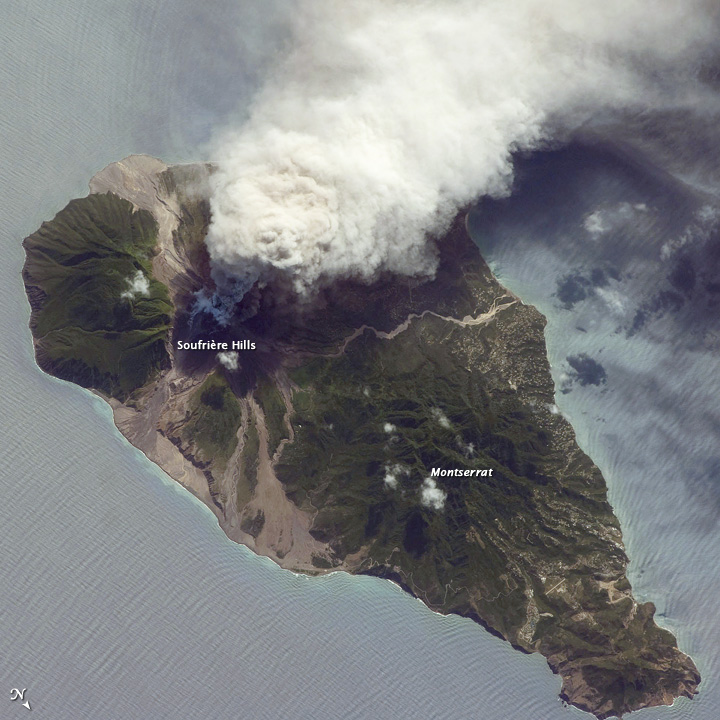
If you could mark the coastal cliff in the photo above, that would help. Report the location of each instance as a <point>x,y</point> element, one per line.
<point>402,429</point>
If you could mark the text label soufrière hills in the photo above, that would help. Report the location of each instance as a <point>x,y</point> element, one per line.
<point>215,345</point>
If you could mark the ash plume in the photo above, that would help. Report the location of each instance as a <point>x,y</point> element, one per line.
<point>384,117</point>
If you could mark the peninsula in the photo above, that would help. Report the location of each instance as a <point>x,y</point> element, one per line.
<point>403,429</point>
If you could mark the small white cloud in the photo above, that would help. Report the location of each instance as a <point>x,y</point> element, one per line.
<point>603,220</point>
<point>366,391</point>
<point>594,224</point>
<point>389,428</point>
<point>440,417</point>
<point>392,475</point>
<point>698,230</point>
<point>228,360</point>
<point>564,381</point>
<point>670,247</point>
<point>138,284</point>
<point>467,449</point>
<point>431,495</point>
<point>708,215</point>
<point>613,299</point>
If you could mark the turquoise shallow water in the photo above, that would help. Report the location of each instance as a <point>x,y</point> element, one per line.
<point>120,597</point>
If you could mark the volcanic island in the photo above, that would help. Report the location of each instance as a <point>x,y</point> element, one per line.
<point>405,429</point>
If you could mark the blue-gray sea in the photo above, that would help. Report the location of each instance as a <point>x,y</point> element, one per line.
<point>120,598</point>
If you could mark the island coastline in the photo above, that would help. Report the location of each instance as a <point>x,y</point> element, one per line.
<point>132,180</point>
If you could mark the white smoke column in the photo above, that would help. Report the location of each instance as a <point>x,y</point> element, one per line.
<point>386,116</point>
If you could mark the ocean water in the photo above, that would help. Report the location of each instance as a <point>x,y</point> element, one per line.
<point>121,598</point>
<point>622,259</point>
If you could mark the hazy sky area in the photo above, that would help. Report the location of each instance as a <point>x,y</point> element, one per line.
<point>379,120</point>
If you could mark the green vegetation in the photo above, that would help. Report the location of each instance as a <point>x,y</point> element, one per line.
<point>273,405</point>
<point>215,417</point>
<point>253,524</point>
<point>522,550</point>
<point>406,406</point>
<point>90,326</point>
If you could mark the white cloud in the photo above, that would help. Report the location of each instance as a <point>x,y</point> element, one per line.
<point>440,417</point>
<point>383,118</point>
<point>229,360</point>
<point>614,299</point>
<point>392,475</point>
<point>138,284</point>
<point>431,495</point>
<point>389,428</point>
<point>606,219</point>
<point>468,449</point>
<point>703,224</point>
<point>594,224</point>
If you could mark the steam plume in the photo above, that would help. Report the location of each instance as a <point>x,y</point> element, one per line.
<point>384,117</point>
